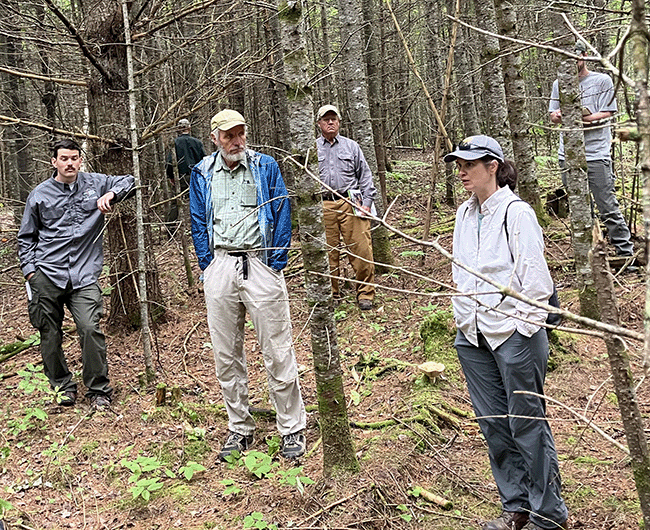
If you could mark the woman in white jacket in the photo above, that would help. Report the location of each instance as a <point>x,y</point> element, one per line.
<point>501,344</point>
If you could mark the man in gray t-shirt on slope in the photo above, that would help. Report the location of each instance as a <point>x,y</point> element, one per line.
<point>598,103</point>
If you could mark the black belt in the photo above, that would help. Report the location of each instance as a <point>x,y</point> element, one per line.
<point>327,196</point>
<point>244,261</point>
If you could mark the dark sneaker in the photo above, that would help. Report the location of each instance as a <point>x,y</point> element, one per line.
<point>100,402</point>
<point>365,304</point>
<point>66,399</point>
<point>293,445</point>
<point>508,521</point>
<point>235,442</point>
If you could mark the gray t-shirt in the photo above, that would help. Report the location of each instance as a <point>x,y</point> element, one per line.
<point>597,94</point>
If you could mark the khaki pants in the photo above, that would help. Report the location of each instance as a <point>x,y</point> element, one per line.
<point>340,222</point>
<point>264,294</point>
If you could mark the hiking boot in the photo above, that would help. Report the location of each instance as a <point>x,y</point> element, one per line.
<point>235,442</point>
<point>508,521</point>
<point>293,445</point>
<point>66,399</point>
<point>365,304</point>
<point>532,526</point>
<point>100,402</point>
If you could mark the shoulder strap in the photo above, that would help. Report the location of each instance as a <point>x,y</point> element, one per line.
<point>505,219</point>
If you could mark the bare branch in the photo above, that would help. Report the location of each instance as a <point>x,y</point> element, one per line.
<point>75,35</point>
<point>42,77</point>
<point>7,121</point>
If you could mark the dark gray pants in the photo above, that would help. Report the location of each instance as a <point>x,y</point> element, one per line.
<point>601,186</point>
<point>46,315</point>
<point>521,447</point>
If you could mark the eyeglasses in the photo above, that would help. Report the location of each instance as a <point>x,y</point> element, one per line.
<point>468,146</point>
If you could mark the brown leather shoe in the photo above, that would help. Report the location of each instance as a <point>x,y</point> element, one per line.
<point>507,521</point>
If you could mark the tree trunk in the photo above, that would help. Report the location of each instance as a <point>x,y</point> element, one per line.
<point>465,86</point>
<point>22,180</point>
<point>350,16</point>
<point>517,113</point>
<point>338,449</point>
<point>577,186</point>
<point>142,277</point>
<point>373,63</point>
<point>494,92</point>
<point>624,383</point>
<point>109,108</point>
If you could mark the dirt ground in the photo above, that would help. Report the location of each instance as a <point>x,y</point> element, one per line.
<point>68,468</point>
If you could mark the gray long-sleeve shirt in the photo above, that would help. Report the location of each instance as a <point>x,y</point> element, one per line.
<point>343,167</point>
<point>61,230</point>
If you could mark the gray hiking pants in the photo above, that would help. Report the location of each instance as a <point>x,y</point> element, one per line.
<point>601,185</point>
<point>229,292</point>
<point>520,443</point>
<point>46,315</point>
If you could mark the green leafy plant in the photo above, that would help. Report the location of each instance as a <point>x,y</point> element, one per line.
<point>294,477</point>
<point>5,506</point>
<point>259,464</point>
<point>232,488</point>
<point>147,473</point>
<point>256,520</point>
<point>405,515</point>
<point>273,444</point>
<point>234,460</point>
<point>190,469</point>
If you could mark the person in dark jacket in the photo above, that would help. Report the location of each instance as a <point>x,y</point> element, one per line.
<point>189,152</point>
<point>60,250</point>
<point>241,226</point>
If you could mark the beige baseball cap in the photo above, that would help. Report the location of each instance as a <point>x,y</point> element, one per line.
<point>226,119</point>
<point>325,109</point>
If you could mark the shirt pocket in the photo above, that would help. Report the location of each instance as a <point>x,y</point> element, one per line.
<point>248,195</point>
<point>52,213</point>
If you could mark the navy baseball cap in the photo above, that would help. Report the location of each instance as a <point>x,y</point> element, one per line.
<point>475,147</point>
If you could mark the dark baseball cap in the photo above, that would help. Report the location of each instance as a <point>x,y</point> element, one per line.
<point>475,147</point>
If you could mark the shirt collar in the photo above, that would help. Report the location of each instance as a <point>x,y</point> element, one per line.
<point>326,141</point>
<point>494,200</point>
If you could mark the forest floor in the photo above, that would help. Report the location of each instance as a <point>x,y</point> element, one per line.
<point>68,468</point>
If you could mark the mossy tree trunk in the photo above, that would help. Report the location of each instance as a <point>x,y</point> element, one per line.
<point>338,449</point>
<point>624,383</point>
<point>577,185</point>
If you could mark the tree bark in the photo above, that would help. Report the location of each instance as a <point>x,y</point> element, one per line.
<point>109,108</point>
<point>517,113</point>
<point>494,92</point>
<point>142,276</point>
<point>577,185</point>
<point>350,17</point>
<point>624,383</point>
<point>338,448</point>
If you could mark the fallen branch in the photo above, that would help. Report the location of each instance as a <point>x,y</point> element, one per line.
<point>7,351</point>
<point>334,504</point>
<point>445,504</point>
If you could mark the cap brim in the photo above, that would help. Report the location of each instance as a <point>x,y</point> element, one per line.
<point>473,154</point>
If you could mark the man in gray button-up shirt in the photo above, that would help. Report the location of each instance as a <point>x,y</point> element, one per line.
<point>60,250</point>
<point>342,167</point>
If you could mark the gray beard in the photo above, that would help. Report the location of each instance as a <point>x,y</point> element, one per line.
<point>239,157</point>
